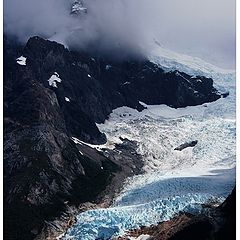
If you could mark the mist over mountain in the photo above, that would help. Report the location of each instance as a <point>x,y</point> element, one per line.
<point>203,28</point>
<point>108,127</point>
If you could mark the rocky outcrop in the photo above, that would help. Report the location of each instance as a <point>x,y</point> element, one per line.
<point>186,145</point>
<point>130,163</point>
<point>43,167</point>
<point>78,8</point>
<point>53,94</point>
<point>91,88</point>
<point>98,85</point>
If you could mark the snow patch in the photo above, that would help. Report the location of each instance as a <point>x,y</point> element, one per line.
<point>67,99</point>
<point>109,145</point>
<point>54,79</point>
<point>60,236</point>
<point>21,60</point>
<point>141,237</point>
<point>80,152</point>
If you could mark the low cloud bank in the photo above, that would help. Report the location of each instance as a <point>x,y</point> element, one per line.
<point>203,28</point>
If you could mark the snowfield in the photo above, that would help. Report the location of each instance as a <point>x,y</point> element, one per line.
<point>173,181</point>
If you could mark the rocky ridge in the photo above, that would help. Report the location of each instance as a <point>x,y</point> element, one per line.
<point>52,94</point>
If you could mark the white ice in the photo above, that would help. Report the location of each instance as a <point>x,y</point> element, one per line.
<point>21,61</point>
<point>67,99</point>
<point>54,79</point>
<point>173,181</point>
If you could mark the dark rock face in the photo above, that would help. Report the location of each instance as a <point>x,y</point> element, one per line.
<point>129,163</point>
<point>220,225</point>
<point>97,86</point>
<point>43,167</point>
<point>228,210</point>
<point>186,145</point>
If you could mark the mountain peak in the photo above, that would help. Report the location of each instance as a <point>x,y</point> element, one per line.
<point>78,8</point>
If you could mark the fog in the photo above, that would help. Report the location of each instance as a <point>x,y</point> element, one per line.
<point>203,28</point>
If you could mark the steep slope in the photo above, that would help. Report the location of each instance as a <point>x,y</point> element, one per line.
<point>52,94</point>
<point>43,168</point>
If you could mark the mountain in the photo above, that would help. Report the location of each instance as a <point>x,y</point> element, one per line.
<point>78,8</point>
<point>53,95</point>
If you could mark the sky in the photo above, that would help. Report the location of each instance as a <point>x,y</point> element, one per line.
<point>203,28</point>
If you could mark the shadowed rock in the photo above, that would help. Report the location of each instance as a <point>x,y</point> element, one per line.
<point>224,95</point>
<point>186,145</point>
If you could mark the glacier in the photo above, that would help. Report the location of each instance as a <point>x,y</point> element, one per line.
<point>173,181</point>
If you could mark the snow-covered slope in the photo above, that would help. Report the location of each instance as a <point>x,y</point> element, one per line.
<point>171,60</point>
<point>173,181</point>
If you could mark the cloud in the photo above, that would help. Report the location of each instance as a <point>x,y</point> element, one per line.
<point>203,28</point>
